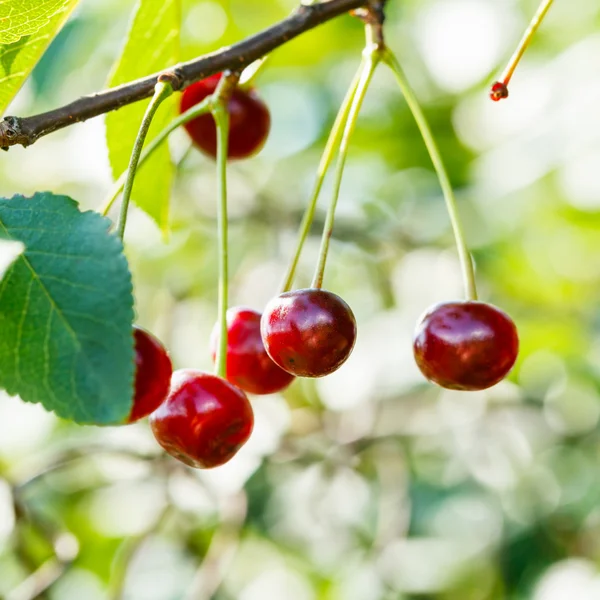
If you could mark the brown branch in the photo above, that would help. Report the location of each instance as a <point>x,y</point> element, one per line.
<point>25,131</point>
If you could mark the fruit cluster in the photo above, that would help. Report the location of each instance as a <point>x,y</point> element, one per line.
<point>203,419</point>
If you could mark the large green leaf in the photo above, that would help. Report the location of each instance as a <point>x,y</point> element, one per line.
<point>66,311</point>
<point>26,29</point>
<point>152,45</point>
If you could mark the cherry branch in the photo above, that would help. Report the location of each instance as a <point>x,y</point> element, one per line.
<point>27,130</point>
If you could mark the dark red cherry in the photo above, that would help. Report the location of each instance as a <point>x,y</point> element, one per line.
<point>153,371</point>
<point>309,332</point>
<point>249,124</point>
<point>204,421</point>
<point>465,345</point>
<point>499,91</point>
<point>248,364</point>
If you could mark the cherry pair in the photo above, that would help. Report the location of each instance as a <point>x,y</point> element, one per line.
<point>310,333</point>
<point>307,333</point>
<point>199,418</point>
<point>304,333</point>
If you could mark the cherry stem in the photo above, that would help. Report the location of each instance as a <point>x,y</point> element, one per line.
<point>438,164</point>
<point>525,40</point>
<point>333,141</point>
<point>221,116</point>
<point>162,91</point>
<point>372,55</point>
<point>193,112</point>
<point>251,72</point>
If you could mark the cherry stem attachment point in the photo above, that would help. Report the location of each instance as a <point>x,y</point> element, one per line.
<point>162,91</point>
<point>372,55</point>
<point>440,169</point>
<point>333,141</point>
<point>500,88</point>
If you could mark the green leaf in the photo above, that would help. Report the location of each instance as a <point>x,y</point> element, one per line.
<point>26,29</point>
<point>152,45</point>
<point>19,18</point>
<point>66,311</point>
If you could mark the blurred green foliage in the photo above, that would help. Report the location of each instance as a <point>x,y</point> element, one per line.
<point>369,484</point>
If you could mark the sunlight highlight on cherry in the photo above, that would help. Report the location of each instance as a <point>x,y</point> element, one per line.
<point>465,345</point>
<point>204,421</point>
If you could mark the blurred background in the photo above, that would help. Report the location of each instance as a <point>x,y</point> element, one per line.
<point>369,484</point>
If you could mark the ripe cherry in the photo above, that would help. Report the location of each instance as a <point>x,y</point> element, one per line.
<point>499,91</point>
<point>465,345</point>
<point>248,364</point>
<point>308,332</point>
<point>249,124</point>
<point>153,371</point>
<point>204,421</point>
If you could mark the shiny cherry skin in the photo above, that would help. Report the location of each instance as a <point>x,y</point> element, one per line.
<point>249,120</point>
<point>153,371</point>
<point>204,421</point>
<point>308,332</point>
<point>465,345</point>
<point>248,364</point>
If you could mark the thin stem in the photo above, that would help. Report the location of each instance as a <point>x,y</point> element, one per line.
<point>500,88</point>
<point>333,141</point>
<point>162,91</point>
<point>368,68</point>
<point>525,40</point>
<point>39,581</point>
<point>436,159</point>
<point>193,112</point>
<point>221,116</point>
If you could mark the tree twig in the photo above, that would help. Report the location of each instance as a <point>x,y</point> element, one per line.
<point>27,130</point>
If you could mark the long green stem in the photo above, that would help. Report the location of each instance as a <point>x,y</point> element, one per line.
<point>162,91</point>
<point>367,70</point>
<point>193,112</point>
<point>221,116</point>
<point>525,40</point>
<point>333,141</point>
<point>436,159</point>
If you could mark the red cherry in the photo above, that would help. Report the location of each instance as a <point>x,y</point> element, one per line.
<point>249,124</point>
<point>152,374</point>
<point>248,364</point>
<point>465,345</point>
<point>204,421</point>
<point>309,332</point>
<point>499,91</point>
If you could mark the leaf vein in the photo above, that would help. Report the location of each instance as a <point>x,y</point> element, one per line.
<point>20,332</point>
